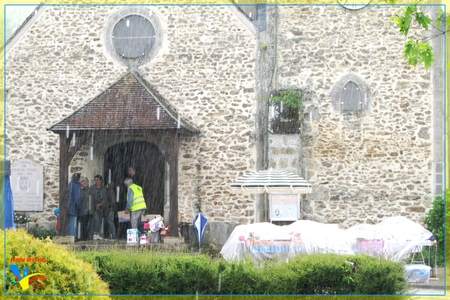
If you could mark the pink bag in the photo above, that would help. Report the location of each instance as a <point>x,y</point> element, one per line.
<point>146,225</point>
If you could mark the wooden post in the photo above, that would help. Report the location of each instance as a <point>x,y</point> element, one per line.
<point>265,82</point>
<point>173,164</point>
<point>66,154</point>
<point>63,182</point>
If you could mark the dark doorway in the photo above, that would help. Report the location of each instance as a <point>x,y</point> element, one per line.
<point>149,164</point>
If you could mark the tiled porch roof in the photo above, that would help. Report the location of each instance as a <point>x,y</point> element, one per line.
<point>129,104</point>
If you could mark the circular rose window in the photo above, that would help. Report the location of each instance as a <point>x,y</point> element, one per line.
<point>133,38</point>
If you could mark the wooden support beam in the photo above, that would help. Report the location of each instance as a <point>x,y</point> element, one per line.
<point>173,165</point>
<point>63,182</point>
<point>66,154</point>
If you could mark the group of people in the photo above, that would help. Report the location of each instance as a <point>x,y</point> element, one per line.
<point>91,207</point>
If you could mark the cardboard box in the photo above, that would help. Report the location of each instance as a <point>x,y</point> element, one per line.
<point>123,216</point>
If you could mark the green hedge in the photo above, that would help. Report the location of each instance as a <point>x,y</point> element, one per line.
<point>42,233</point>
<point>64,272</point>
<point>434,221</point>
<point>158,273</point>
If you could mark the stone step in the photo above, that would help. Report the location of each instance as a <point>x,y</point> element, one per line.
<point>169,244</point>
<point>64,239</point>
<point>173,240</point>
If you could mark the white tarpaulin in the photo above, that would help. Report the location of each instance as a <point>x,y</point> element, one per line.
<point>393,238</point>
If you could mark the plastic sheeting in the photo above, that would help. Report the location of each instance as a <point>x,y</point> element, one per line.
<point>156,224</point>
<point>393,238</point>
<point>417,273</point>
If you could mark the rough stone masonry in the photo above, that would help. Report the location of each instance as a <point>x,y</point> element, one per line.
<point>376,163</point>
<point>363,167</point>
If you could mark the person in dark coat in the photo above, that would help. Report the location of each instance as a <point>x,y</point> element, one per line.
<point>109,212</point>
<point>86,210</point>
<point>99,199</point>
<point>74,202</point>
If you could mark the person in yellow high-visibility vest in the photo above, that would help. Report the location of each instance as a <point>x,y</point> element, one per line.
<point>135,202</point>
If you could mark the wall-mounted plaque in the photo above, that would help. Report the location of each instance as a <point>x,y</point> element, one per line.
<point>284,207</point>
<point>27,183</point>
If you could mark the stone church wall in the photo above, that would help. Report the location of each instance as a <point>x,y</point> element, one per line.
<point>204,68</point>
<point>370,165</point>
<point>363,167</point>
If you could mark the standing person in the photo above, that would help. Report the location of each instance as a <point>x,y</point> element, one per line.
<point>74,202</point>
<point>86,210</point>
<point>135,202</point>
<point>110,210</point>
<point>132,173</point>
<point>98,196</point>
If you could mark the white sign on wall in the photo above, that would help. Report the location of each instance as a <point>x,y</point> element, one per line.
<point>284,207</point>
<point>27,184</point>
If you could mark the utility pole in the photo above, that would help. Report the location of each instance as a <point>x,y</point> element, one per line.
<point>266,57</point>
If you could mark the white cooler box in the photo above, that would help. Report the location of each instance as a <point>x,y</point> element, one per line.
<point>417,273</point>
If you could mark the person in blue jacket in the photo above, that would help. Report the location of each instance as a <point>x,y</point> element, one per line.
<point>74,203</point>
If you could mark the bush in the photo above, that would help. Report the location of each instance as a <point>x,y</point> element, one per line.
<point>159,273</point>
<point>65,274</point>
<point>153,272</point>
<point>241,278</point>
<point>377,276</point>
<point>42,232</point>
<point>315,274</point>
<point>434,222</point>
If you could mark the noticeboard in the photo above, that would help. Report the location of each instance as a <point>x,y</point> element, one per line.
<point>27,185</point>
<point>284,207</point>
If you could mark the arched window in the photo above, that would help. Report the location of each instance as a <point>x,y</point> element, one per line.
<point>351,97</point>
<point>350,94</point>
<point>133,38</point>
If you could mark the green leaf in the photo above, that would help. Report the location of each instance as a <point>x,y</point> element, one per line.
<point>291,98</point>
<point>409,47</point>
<point>423,19</point>
<point>404,22</point>
<point>397,20</point>
<point>418,52</point>
<point>411,52</point>
<point>426,54</point>
<point>411,9</point>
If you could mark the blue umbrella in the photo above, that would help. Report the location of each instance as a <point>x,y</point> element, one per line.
<point>200,223</point>
<point>8,203</point>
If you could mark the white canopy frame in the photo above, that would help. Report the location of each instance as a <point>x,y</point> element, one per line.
<point>271,181</point>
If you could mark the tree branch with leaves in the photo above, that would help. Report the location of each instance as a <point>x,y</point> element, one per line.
<point>419,51</point>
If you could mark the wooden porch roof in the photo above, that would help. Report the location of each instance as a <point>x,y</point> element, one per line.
<point>129,104</point>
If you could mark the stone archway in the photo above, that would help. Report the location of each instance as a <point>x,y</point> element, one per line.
<point>149,164</point>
